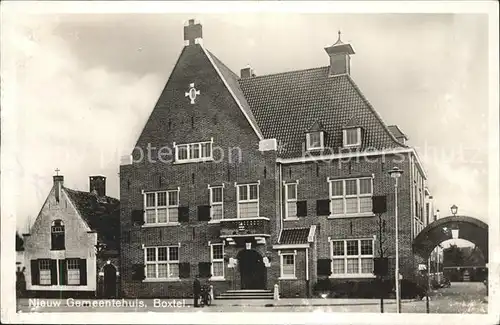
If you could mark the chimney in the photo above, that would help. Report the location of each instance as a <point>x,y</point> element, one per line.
<point>58,184</point>
<point>340,60</point>
<point>247,72</point>
<point>98,184</point>
<point>193,33</point>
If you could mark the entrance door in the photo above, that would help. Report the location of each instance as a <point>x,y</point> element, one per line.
<point>109,281</point>
<point>253,272</point>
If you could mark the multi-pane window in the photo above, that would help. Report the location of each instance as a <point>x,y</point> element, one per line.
<point>418,226</point>
<point>45,274</point>
<point>288,265</point>
<point>216,203</point>
<point>352,257</point>
<point>248,200</point>
<point>162,262</point>
<point>352,137</point>
<point>314,140</point>
<point>217,259</point>
<point>57,235</point>
<point>193,151</point>
<point>73,265</point>
<point>351,196</point>
<point>161,207</point>
<point>291,200</point>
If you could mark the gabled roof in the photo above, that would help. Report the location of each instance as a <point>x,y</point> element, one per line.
<point>102,215</point>
<point>285,104</point>
<point>231,81</point>
<point>294,236</point>
<point>317,126</point>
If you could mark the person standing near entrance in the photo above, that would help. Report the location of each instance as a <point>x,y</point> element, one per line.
<point>196,290</point>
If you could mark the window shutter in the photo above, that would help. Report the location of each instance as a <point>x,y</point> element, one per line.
<point>83,272</point>
<point>301,208</point>
<point>138,217</point>
<point>138,272</point>
<point>204,269</point>
<point>379,204</point>
<point>63,273</point>
<point>183,214</point>
<point>53,272</point>
<point>35,272</point>
<point>323,207</point>
<point>203,213</point>
<point>184,270</point>
<point>324,267</point>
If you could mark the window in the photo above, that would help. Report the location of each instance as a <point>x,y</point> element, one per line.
<point>161,207</point>
<point>162,262</point>
<point>287,265</point>
<point>192,152</point>
<point>57,235</point>
<point>45,274</point>
<point>216,203</point>
<point>217,259</point>
<point>351,196</point>
<point>315,140</point>
<point>291,201</point>
<point>248,200</point>
<point>73,265</point>
<point>352,137</point>
<point>353,257</point>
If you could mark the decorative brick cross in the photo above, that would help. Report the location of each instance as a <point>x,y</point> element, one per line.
<point>192,93</point>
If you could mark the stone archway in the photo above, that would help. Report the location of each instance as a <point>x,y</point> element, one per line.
<point>253,272</point>
<point>471,229</point>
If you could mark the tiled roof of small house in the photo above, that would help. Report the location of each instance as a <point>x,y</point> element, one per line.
<point>294,236</point>
<point>286,104</point>
<point>101,213</point>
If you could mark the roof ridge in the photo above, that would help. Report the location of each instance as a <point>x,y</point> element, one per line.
<point>377,115</point>
<point>90,193</point>
<point>284,72</point>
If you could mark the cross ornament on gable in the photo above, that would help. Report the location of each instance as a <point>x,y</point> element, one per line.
<point>57,170</point>
<point>192,93</point>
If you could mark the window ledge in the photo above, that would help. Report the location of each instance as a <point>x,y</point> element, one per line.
<point>191,161</point>
<point>357,215</point>
<point>151,225</point>
<point>316,149</point>
<point>217,278</point>
<point>287,278</point>
<point>291,219</point>
<point>161,280</point>
<point>352,276</point>
<point>215,221</point>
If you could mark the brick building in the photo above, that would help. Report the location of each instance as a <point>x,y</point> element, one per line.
<point>251,181</point>
<point>60,250</point>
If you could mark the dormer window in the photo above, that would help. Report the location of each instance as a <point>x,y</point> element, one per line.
<point>352,137</point>
<point>315,140</point>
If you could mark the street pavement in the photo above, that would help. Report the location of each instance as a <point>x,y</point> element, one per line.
<point>459,298</point>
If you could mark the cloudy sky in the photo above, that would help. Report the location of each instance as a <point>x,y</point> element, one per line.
<point>87,83</point>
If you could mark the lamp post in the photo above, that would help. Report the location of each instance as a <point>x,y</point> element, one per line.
<point>454,209</point>
<point>396,174</point>
<point>99,248</point>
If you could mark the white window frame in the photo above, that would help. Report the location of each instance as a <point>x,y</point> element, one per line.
<point>345,257</point>
<point>218,260</point>
<point>344,137</point>
<point>238,201</point>
<point>44,262</point>
<point>77,262</point>
<point>188,147</point>
<point>344,197</point>
<point>321,140</point>
<point>288,276</point>
<point>157,262</point>
<point>156,207</point>
<point>287,200</point>
<point>212,203</point>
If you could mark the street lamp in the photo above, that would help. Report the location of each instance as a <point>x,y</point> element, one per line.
<point>99,248</point>
<point>396,174</point>
<point>454,209</point>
